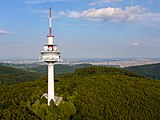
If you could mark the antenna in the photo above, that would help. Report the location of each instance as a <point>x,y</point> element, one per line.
<point>50,22</point>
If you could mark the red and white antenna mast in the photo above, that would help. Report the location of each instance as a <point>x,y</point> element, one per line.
<point>50,36</point>
<point>50,22</point>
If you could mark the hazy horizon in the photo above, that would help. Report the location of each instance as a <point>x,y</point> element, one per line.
<point>78,58</point>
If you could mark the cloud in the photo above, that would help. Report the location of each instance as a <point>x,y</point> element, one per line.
<point>134,44</point>
<point>132,13</point>
<point>104,2</point>
<point>62,13</point>
<point>41,1</point>
<point>3,32</point>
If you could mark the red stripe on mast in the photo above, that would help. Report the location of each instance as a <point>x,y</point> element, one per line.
<point>50,32</point>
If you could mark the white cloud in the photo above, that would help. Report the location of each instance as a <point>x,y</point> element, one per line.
<point>62,13</point>
<point>4,32</point>
<point>74,14</point>
<point>134,44</point>
<point>102,14</point>
<point>132,13</point>
<point>41,1</point>
<point>104,2</point>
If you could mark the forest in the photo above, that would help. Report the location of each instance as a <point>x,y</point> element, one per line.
<point>10,75</point>
<point>151,70</point>
<point>59,69</point>
<point>92,93</point>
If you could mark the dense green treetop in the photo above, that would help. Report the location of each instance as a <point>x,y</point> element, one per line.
<point>93,93</point>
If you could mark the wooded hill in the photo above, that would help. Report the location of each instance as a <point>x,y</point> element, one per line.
<point>9,75</point>
<point>59,69</point>
<point>151,71</point>
<point>93,93</point>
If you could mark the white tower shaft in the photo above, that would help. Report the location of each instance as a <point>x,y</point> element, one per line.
<point>50,82</point>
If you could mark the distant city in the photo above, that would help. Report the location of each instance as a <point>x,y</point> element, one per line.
<point>116,62</point>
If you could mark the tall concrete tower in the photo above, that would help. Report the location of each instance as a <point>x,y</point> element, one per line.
<point>50,54</point>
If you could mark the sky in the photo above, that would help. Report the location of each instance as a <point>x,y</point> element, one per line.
<point>82,28</point>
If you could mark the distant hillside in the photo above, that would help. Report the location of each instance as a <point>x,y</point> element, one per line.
<point>151,71</point>
<point>60,69</point>
<point>93,93</point>
<point>13,74</point>
<point>9,75</point>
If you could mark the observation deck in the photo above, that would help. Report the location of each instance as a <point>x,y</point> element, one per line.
<point>50,53</point>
